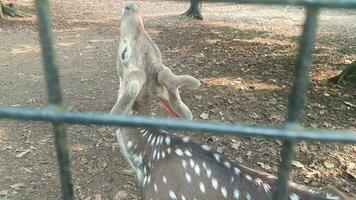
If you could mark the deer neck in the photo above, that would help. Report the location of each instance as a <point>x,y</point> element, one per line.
<point>135,143</point>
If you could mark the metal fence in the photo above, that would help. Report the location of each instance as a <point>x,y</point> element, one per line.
<point>292,132</point>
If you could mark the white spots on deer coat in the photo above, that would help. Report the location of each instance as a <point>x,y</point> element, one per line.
<point>266,187</point>
<point>227,164</point>
<point>204,165</point>
<point>179,152</point>
<point>237,170</point>
<point>248,196</point>
<point>197,169</point>
<point>168,140</point>
<point>158,155</point>
<point>144,180</point>
<point>294,196</point>
<point>161,138</point>
<point>172,194</point>
<point>184,164</point>
<point>205,147</point>
<point>217,157</point>
<point>149,137</point>
<point>330,196</point>
<point>224,192</point>
<point>202,187</point>
<point>154,153</point>
<point>232,179</point>
<point>258,181</point>
<point>215,183</point>
<point>155,187</point>
<point>191,162</point>
<point>153,140</point>
<point>158,140</point>
<point>208,172</point>
<point>236,194</point>
<point>188,153</point>
<point>188,177</point>
<point>248,177</point>
<point>149,179</point>
<point>164,179</point>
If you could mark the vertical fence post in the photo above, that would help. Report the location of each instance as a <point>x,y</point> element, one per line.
<point>297,99</point>
<point>54,95</point>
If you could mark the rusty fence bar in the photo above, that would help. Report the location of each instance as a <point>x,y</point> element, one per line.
<point>290,134</point>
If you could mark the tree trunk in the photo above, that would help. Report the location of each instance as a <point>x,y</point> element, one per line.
<point>1,13</point>
<point>194,10</point>
<point>349,74</point>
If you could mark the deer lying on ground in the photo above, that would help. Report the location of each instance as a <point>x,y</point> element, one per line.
<point>167,166</point>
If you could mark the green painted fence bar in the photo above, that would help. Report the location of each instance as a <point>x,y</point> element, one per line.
<point>54,95</point>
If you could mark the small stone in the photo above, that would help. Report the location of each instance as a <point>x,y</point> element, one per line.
<point>4,193</point>
<point>328,164</point>
<point>204,115</point>
<point>220,149</point>
<point>198,97</point>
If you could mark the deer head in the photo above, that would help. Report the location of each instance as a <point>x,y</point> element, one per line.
<point>143,77</point>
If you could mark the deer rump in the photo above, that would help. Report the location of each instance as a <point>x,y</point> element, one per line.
<point>167,166</point>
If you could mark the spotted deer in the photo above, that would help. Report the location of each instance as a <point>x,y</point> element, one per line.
<point>168,166</point>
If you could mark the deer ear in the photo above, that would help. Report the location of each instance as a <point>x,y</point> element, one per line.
<point>172,83</point>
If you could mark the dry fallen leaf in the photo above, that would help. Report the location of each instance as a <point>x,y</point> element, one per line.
<point>220,149</point>
<point>17,186</point>
<point>264,166</point>
<point>328,164</point>
<point>4,192</point>
<point>204,115</point>
<point>20,155</point>
<point>349,104</point>
<point>297,164</point>
<point>236,145</point>
<point>254,115</point>
<point>121,195</point>
<point>97,197</point>
<point>198,97</point>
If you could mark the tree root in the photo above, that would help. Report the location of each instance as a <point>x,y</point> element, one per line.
<point>10,11</point>
<point>193,14</point>
<point>194,11</point>
<point>349,74</point>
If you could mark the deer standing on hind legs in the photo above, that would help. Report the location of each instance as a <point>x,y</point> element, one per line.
<point>166,166</point>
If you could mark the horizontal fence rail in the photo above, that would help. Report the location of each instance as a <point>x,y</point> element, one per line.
<point>290,134</point>
<point>215,128</point>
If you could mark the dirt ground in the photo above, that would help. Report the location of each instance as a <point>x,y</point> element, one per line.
<point>244,56</point>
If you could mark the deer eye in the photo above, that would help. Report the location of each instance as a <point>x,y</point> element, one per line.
<point>124,54</point>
